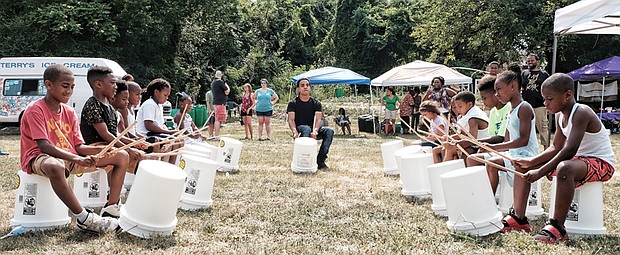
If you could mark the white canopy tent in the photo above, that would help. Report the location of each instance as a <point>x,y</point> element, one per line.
<point>419,73</point>
<point>585,17</point>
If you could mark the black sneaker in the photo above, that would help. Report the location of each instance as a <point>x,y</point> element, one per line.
<point>322,166</point>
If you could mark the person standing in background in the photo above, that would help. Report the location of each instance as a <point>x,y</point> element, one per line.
<point>265,99</point>
<point>533,78</point>
<point>406,111</point>
<point>417,102</point>
<point>210,110</point>
<point>247,103</point>
<point>220,95</point>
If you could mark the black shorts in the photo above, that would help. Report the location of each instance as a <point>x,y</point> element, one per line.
<point>243,113</point>
<point>211,120</point>
<point>265,114</point>
<point>153,138</point>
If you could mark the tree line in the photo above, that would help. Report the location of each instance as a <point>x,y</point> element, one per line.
<point>185,41</point>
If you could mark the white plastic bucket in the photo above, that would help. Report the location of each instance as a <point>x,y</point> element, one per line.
<point>414,175</point>
<point>151,205</point>
<point>229,154</point>
<point>199,183</point>
<point>91,189</point>
<point>427,149</point>
<point>585,215</point>
<point>506,200</point>
<point>128,180</point>
<point>434,171</point>
<point>36,205</point>
<point>213,150</point>
<point>193,149</point>
<point>387,152</point>
<point>407,150</point>
<point>304,155</point>
<point>470,203</point>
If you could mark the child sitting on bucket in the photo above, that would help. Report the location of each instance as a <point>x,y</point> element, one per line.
<point>581,152</point>
<point>185,101</point>
<point>520,141</point>
<point>473,120</point>
<point>51,145</point>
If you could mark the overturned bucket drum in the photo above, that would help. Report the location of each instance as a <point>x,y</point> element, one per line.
<point>585,214</point>
<point>389,160</point>
<point>434,173</point>
<point>304,155</point>
<point>199,183</point>
<point>470,202</point>
<point>414,175</point>
<point>229,154</point>
<point>151,205</point>
<point>36,205</point>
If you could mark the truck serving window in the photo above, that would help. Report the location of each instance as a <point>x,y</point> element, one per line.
<point>24,87</point>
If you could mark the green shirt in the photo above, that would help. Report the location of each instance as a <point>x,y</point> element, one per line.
<point>390,104</point>
<point>497,120</point>
<point>209,98</point>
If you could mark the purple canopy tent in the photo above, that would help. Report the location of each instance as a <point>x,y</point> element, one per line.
<point>609,67</point>
<point>603,69</point>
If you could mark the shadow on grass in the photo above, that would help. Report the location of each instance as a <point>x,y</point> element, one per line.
<point>600,244</point>
<point>155,243</point>
<point>33,241</point>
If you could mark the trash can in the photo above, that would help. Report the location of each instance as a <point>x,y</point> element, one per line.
<point>201,115</point>
<point>339,92</point>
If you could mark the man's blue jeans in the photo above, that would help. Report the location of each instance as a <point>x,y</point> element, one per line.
<point>325,133</point>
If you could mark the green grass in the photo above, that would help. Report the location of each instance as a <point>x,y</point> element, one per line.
<point>353,208</point>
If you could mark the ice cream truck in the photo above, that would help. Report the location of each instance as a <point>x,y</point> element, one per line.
<point>22,82</point>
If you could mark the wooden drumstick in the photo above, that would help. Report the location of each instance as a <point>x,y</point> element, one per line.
<point>412,141</point>
<point>179,132</point>
<point>105,149</point>
<point>416,132</point>
<point>163,154</point>
<point>487,148</point>
<point>483,161</point>
<point>128,145</point>
<point>208,117</point>
<point>182,117</point>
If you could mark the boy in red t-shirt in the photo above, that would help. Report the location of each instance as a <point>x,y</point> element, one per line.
<point>51,145</point>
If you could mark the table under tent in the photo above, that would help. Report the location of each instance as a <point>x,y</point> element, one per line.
<point>596,85</point>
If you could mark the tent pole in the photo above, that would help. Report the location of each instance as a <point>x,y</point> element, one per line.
<point>372,111</point>
<point>555,53</point>
<point>602,98</point>
<point>290,89</point>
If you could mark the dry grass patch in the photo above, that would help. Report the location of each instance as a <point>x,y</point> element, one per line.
<point>352,208</point>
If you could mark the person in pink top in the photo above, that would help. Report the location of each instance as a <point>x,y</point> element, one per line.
<point>51,145</point>
<point>247,105</point>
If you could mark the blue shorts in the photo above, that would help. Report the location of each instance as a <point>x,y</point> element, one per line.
<point>265,114</point>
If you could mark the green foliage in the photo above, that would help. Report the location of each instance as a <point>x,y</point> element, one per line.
<point>187,41</point>
<point>373,36</point>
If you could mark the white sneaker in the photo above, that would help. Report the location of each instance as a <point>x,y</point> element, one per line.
<point>97,224</point>
<point>113,211</point>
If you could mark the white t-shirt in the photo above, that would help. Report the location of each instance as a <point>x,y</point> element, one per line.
<point>131,118</point>
<point>475,112</point>
<point>150,111</point>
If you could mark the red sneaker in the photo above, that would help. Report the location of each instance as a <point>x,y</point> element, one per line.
<point>551,234</point>
<point>511,224</point>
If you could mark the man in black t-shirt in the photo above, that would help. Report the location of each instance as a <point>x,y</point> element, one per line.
<point>532,80</point>
<point>220,91</point>
<point>305,115</point>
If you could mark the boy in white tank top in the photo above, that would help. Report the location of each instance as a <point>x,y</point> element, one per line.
<point>581,152</point>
